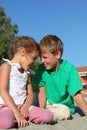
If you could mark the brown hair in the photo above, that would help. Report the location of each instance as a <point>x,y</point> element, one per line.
<point>51,43</point>
<point>27,42</point>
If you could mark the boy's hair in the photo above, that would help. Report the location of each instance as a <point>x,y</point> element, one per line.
<point>27,42</point>
<point>52,44</point>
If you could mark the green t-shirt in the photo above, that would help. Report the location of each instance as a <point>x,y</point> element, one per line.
<point>61,85</point>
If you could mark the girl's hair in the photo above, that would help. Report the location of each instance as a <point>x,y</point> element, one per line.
<point>52,44</point>
<point>27,42</point>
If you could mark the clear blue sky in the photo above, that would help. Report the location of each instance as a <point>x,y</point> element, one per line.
<point>65,18</point>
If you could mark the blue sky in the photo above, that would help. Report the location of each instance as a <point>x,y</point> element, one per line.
<point>65,18</point>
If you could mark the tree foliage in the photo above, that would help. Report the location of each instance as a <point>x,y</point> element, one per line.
<point>7,33</point>
<point>34,67</point>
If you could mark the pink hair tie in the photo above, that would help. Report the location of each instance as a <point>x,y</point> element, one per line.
<point>35,47</point>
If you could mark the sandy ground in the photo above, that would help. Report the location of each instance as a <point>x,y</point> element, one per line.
<point>78,122</point>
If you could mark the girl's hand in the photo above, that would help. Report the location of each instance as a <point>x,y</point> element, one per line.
<point>24,111</point>
<point>22,122</point>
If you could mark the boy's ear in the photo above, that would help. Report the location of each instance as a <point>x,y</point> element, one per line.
<point>58,54</point>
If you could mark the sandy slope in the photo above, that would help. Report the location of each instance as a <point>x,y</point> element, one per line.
<point>78,122</point>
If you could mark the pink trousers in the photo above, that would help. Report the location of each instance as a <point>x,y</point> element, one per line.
<point>36,115</point>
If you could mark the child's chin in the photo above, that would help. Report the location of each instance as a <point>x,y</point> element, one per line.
<point>48,68</point>
<point>25,69</point>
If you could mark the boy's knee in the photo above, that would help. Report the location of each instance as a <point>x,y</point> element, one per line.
<point>60,111</point>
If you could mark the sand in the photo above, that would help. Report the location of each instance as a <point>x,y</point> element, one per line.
<point>78,122</point>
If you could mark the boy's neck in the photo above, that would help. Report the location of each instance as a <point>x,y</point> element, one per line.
<point>56,67</point>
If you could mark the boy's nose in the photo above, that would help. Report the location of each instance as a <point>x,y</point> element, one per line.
<point>42,60</point>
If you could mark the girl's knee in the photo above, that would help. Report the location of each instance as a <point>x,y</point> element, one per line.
<point>47,116</point>
<point>6,124</point>
<point>40,115</point>
<point>6,118</point>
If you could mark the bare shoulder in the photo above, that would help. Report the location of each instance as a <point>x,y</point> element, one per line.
<point>5,67</point>
<point>4,76</point>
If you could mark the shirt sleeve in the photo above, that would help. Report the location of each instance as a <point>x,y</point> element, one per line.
<point>74,83</point>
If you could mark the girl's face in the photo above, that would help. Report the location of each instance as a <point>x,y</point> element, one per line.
<point>28,60</point>
<point>50,60</point>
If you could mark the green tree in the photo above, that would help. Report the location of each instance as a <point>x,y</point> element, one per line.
<point>7,33</point>
<point>34,67</point>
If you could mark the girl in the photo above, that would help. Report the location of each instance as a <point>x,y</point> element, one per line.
<point>16,93</point>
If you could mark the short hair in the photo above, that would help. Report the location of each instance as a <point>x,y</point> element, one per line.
<point>51,43</point>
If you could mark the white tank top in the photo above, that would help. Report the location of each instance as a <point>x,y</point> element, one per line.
<point>17,84</point>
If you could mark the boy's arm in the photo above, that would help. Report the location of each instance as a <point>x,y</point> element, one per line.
<point>42,97</point>
<point>78,98</point>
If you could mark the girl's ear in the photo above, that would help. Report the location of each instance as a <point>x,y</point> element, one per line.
<point>58,54</point>
<point>22,51</point>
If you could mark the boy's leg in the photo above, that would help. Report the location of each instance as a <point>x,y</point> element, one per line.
<point>35,100</point>
<point>40,115</point>
<point>6,118</point>
<point>60,112</point>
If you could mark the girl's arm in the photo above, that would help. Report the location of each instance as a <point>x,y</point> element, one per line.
<point>4,82</point>
<point>25,107</point>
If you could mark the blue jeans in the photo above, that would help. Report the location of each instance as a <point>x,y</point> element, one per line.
<point>35,100</point>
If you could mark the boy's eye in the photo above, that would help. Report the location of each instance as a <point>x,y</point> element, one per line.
<point>45,57</point>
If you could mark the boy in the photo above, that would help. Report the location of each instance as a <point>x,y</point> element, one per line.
<point>58,80</point>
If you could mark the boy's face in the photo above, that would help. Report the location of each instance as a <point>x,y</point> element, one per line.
<point>50,60</point>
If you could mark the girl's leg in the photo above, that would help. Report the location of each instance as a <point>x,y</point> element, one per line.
<point>6,118</point>
<point>40,115</point>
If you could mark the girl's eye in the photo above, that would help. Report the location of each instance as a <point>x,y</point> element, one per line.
<point>34,58</point>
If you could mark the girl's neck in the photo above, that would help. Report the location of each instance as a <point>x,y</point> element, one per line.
<point>16,60</point>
